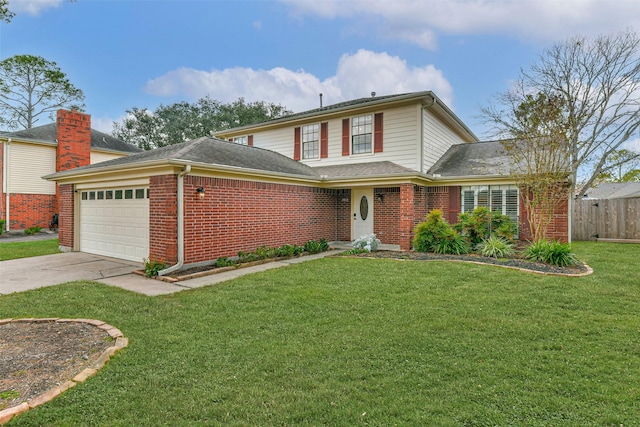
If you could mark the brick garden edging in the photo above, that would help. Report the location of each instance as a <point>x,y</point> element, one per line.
<point>120,343</point>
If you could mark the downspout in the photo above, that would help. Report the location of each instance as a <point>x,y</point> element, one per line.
<point>7,193</point>
<point>180,196</point>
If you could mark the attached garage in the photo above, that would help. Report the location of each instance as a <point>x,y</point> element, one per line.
<point>115,222</point>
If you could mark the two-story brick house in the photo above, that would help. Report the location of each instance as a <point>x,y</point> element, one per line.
<point>372,165</point>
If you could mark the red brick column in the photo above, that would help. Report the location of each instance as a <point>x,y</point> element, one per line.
<point>407,215</point>
<point>66,219</point>
<point>163,217</point>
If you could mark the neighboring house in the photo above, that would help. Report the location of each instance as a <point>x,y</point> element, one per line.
<point>614,190</point>
<point>372,165</point>
<point>26,155</point>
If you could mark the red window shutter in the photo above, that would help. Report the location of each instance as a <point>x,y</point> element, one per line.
<point>250,140</point>
<point>454,204</point>
<point>345,137</point>
<point>296,144</point>
<point>324,140</point>
<point>377,133</point>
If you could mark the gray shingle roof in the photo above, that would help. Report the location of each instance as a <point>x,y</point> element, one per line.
<point>214,151</point>
<point>614,190</point>
<point>99,140</point>
<point>473,159</point>
<point>362,170</point>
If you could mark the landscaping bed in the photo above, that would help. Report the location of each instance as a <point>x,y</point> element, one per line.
<point>579,269</point>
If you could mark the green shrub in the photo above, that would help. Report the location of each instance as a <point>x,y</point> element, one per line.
<point>451,242</point>
<point>32,230</point>
<point>246,257</point>
<point>284,251</point>
<point>553,253</point>
<point>429,233</point>
<point>264,252</point>
<point>314,247</point>
<point>297,250</point>
<point>495,247</point>
<point>152,267</point>
<point>225,262</point>
<point>482,223</point>
<point>2,223</point>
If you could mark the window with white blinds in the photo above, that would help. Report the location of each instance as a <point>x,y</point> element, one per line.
<point>500,198</point>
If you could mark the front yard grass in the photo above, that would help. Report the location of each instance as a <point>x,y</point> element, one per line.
<point>343,342</point>
<point>15,250</point>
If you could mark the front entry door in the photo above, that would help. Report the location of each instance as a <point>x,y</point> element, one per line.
<point>361,212</point>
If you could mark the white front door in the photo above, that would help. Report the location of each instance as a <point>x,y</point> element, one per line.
<point>362,212</point>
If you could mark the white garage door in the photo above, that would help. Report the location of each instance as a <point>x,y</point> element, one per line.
<point>115,222</point>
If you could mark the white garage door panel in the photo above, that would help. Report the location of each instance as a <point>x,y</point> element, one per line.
<point>117,228</point>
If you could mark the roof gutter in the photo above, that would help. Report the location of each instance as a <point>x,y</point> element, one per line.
<point>180,196</point>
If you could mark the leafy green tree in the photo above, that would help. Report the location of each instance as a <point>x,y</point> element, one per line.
<point>5,14</point>
<point>622,166</point>
<point>597,86</point>
<point>31,86</point>
<point>182,121</point>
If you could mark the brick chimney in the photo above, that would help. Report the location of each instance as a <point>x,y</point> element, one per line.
<point>73,132</point>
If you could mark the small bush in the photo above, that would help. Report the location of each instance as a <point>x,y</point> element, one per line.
<point>429,233</point>
<point>284,251</point>
<point>482,223</point>
<point>225,262</point>
<point>264,252</point>
<point>495,247</point>
<point>2,223</point>
<point>368,243</point>
<point>297,250</point>
<point>32,230</point>
<point>152,267</point>
<point>553,253</point>
<point>314,247</point>
<point>451,242</point>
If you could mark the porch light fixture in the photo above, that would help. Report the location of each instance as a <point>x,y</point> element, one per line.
<point>380,197</point>
<point>200,191</point>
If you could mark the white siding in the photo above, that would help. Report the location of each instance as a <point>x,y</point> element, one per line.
<point>27,164</point>
<point>401,140</point>
<point>437,138</point>
<point>97,157</point>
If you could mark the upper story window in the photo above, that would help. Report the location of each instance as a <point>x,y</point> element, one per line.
<point>361,134</point>
<point>311,141</point>
<point>242,140</point>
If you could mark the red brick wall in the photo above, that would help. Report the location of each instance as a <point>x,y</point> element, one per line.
<point>385,215</point>
<point>163,211</point>
<point>31,210</point>
<point>407,215</point>
<point>558,228</point>
<point>343,215</point>
<point>66,220</point>
<point>74,140</point>
<point>2,195</point>
<point>237,216</point>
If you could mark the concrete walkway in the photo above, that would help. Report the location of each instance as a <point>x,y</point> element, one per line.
<point>31,273</point>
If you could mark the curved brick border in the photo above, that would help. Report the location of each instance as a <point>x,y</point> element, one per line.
<point>120,342</point>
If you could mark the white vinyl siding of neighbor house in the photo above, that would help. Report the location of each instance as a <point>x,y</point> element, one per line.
<point>24,178</point>
<point>97,156</point>
<point>437,138</point>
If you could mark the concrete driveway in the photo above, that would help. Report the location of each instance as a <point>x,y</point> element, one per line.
<point>23,274</point>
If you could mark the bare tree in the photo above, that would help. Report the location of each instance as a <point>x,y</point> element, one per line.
<point>31,86</point>
<point>598,83</point>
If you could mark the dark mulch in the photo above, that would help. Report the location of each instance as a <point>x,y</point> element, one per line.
<point>510,262</point>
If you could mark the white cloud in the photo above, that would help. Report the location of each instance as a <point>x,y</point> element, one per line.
<point>632,145</point>
<point>357,75</point>
<point>417,22</point>
<point>103,124</point>
<point>32,7</point>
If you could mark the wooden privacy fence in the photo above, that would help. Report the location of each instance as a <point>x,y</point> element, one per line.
<point>606,219</point>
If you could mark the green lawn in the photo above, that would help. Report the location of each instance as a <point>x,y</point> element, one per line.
<point>343,342</point>
<point>16,250</point>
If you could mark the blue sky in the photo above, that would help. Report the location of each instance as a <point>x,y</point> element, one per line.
<point>126,53</point>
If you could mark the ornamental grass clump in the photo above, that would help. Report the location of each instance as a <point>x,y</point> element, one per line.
<point>551,252</point>
<point>495,247</point>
